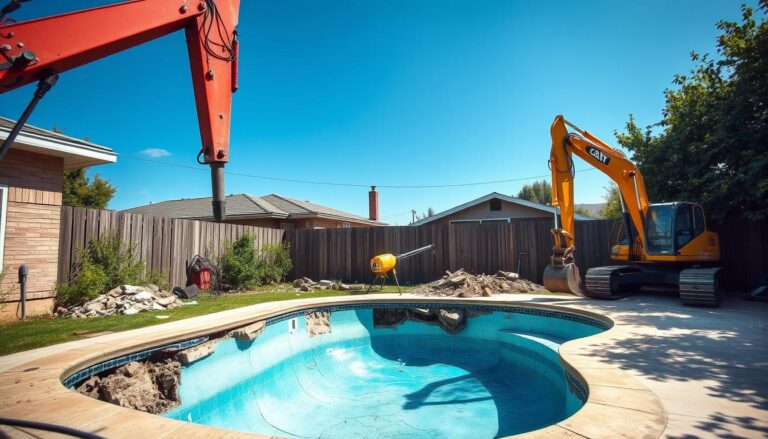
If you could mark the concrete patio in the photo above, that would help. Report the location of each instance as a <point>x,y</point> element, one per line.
<point>707,366</point>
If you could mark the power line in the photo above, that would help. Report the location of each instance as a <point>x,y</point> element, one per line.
<point>329,183</point>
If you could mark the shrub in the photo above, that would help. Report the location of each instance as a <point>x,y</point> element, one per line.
<point>276,262</point>
<point>239,264</point>
<point>89,282</point>
<point>242,268</point>
<point>105,263</point>
<point>117,259</point>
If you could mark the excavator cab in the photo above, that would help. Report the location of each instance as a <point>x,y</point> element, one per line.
<point>679,229</point>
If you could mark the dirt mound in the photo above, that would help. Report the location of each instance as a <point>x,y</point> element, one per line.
<point>463,284</point>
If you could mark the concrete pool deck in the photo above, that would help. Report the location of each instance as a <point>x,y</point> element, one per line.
<point>705,369</point>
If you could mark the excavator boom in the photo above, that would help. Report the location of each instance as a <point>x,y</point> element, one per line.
<point>38,50</point>
<point>666,244</point>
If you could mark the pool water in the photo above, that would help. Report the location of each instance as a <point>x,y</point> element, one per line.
<point>501,375</point>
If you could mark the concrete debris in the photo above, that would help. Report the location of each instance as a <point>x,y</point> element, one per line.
<point>190,355</point>
<point>250,332</point>
<point>123,300</point>
<point>452,321</point>
<point>318,323</point>
<point>306,284</point>
<point>463,284</point>
<point>149,387</point>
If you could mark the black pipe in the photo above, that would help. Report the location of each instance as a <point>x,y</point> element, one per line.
<point>43,87</point>
<point>23,272</point>
<point>48,427</point>
<point>415,252</point>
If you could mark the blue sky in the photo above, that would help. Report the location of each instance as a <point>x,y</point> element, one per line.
<point>397,92</point>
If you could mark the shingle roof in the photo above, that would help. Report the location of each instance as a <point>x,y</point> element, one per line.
<point>76,153</point>
<point>247,206</point>
<point>237,206</point>
<point>520,201</point>
<point>9,123</point>
<point>298,207</point>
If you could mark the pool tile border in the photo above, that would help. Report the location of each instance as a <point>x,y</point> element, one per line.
<point>469,306</point>
<point>81,375</point>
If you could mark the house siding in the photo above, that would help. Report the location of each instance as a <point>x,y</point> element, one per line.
<point>32,229</point>
<point>483,211</point>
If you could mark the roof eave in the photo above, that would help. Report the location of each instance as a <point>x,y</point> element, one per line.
<point>75,155</point>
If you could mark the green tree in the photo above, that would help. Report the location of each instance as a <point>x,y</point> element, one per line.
<point>416,217</point>
<point>581,210</point>
<point>612,209</point>
<point>80,191</point>
<point>538,192</point>
<point>710,147</point>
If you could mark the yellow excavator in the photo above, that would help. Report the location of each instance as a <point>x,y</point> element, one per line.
<point>663,245</point>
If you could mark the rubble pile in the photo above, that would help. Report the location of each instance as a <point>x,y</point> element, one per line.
<point>306,284</point>
<point>463,284</point>
<point>125,299</point>
<point>149,387</point>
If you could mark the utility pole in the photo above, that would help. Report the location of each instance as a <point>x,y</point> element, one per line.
<point>413,216</point>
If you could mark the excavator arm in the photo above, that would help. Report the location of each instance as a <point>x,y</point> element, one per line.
<point>562,274</point>
<point>39,50</point>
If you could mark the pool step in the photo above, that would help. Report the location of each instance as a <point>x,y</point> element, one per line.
<point>525,340</point>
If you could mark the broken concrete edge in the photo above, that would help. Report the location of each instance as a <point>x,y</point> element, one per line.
<point>249,332</point>
<point>451,321</point>
<point>158,391</point>
<point>26,390</point>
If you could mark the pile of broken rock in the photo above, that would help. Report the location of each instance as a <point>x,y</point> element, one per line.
<point>125,300</point>
<point>463,284</point>
<point>306,284</point>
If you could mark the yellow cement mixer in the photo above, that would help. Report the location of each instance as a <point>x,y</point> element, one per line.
<point>384,264</point>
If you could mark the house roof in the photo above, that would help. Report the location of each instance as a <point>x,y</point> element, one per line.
<point>77,153</point>
<point>595,209</point>
<point>492,195</point>
<point>246,206</point>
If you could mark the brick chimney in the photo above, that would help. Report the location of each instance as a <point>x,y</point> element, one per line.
<point>373,204</point>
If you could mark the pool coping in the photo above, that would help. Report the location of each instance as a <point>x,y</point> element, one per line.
<point>618,405</point>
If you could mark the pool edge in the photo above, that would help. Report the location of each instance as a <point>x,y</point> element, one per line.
<point>618,405</point>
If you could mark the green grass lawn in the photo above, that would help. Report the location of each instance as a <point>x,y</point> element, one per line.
<point>45,331</point>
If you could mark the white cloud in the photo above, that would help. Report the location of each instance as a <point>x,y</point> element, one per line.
<point>156,152</point>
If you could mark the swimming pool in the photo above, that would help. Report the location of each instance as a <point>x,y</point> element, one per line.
<point>499,375</point>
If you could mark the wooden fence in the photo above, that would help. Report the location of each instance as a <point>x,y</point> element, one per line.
<point>486,248</point>
<point>164,244</point>
<point>167,244</point>
<point>480,248</point>
<point>743,251</point>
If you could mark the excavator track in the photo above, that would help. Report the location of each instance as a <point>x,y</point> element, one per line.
<point>598,281</point>
<point>701,286</point>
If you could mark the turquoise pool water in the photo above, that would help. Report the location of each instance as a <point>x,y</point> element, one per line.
<point>501,375</point>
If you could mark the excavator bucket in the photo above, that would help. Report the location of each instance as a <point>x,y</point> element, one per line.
<point>564,279</point>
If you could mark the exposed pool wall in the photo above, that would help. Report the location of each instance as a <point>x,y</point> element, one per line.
<point>501,375</point>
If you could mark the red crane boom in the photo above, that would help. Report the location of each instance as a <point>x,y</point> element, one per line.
<point>38,50</point>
